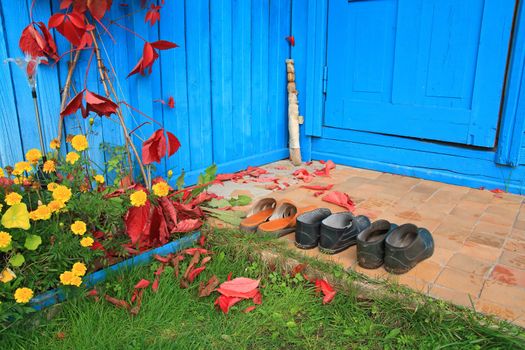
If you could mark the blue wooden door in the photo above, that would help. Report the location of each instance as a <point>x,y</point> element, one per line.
<point>431,69</point>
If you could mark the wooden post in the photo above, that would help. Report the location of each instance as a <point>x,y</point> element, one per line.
<point>293,115</point>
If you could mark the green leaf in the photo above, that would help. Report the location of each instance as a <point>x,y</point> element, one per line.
<point>241,200</point>
<point>180,180</point>
<point>208,175</point>
<point>218,203</point>
<point>32,242</point>
<point>393,333</point>
<point>17,260</point>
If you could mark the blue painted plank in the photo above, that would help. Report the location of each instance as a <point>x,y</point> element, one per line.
<point>10,143</point>
<point>198,66</point>
<point>172,28</point>
<point>224,146</point>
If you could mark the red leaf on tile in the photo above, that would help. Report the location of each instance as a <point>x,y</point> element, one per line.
<point>341,199</point>
<point>303,174</point>
<point>318,193</point>
<point>328,166</point>
<point>318,187</point>
<point>497,190</point>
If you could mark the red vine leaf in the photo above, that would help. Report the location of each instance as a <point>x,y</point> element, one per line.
<point>149,56</point>
<point>71,26</point>
<point>163,45</point>
<point>170,103</point>
<point>153,15</point>
<point>98,8</point>
<point>38,44</point>
<point>99,104</point>
<point>73,105</point>
<point>291,40</point>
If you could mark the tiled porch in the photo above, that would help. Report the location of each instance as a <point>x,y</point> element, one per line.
<point>479,258</point>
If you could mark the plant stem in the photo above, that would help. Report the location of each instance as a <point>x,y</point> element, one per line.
<point>105,83</point>
<point>65,93</point>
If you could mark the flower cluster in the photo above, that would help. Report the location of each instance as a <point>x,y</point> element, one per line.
<point>73,277</point>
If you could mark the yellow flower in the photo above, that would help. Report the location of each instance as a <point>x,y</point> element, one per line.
<point>99,179</point>
<point>7,275</point>
<point>13,198</point>
<point>61,193</point>
<point>20,167</point>
<point>23,295</point>
<point>5,239</point>
<point>51,186</point>
<point>161,189</point>
<point>1,206</point>
<point>54,144</point>
<point>138,198</point>
<point>49,166</point>
<point>68,278</point>
<point>78,227</point>
<point>2,174</point>
<point>87,242</point>
<point>170,174</point>
<point>55,205</point>
<point>33,156</point>
<point>72,157</point>
<point>43,212</point>
<point>79,269</point>
<point>79,143</point>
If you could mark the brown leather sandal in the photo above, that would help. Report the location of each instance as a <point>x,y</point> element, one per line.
<point>259,213</point>
<point>283,219</point>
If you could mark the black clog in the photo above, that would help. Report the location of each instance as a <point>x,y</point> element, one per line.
<point>339,231</point>
<point>406,246</point>
<point>371,244</point>
<point>308,228</point>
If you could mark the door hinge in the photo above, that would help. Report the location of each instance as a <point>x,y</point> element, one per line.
<point>325,78</point>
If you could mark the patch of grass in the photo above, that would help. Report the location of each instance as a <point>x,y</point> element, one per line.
<point>290,317</point>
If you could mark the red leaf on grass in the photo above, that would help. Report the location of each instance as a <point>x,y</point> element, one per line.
<point>298,269</point>
<point>329,165</point>
<point>92,293</point>
<point>143,283</point>
<point>155,285</point>
<point>193,251</point>
<point>38,44</point>
<point>152,15</point>
<point>291,40</point>
<point>257,299</point>
<point>117,302</point>
<point>229,278</point>
<point>159,270</point>
<point>194,273</point>
<point>318,187</point>
<point>202,240</point>
<point>341,199</point>
<point>162,259</point>
<point>225,303</point>
<point>205,260</point>
<point>206,290</point>
<point>241,287</point>
<point>327,290</point>
<point>100,105</point>
<point>249,309</point>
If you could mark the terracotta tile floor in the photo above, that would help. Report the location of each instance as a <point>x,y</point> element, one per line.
<point>479,258</point>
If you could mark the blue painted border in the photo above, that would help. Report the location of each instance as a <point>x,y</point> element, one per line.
<point>55,296</point>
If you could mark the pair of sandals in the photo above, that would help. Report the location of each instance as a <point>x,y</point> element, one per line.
<point>272,217</point>
<point>399,248</point>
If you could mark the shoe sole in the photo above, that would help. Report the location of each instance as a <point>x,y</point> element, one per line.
<point>333,251</point>
<point>305,247</point>
<point>279,233</point>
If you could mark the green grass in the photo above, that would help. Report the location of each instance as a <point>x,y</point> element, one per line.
<point>290,317</point>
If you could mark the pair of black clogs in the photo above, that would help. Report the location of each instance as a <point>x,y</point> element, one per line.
<point>399,248</point>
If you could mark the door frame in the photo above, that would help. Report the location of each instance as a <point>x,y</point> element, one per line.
<point>512,118</point>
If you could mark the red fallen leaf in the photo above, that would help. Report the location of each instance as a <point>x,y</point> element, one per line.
<point>308,163</point>
<point>206,290</point>
<point>205,260</point>
<point>481,188</point>
<point>257,299</point>
<point>159,270</point>
<point>38,44</point>
<point>155,285</point>
<point>239,287</point>
<point>158,230</point>
<point>327,290</point>
<point>117,302</point>
<point>303,174</point>
<point>191,265</point>
<point>329,165</point>
<point>341,199</point>
<point>297,269</point>
<point>143,283</point>
<point>99,104</point>
<point>202,240</point>
<point>170,213</point>
<point>162,259</point>
<point>318,193</point>
<point>280,167</point>
<point>97,246</point>
<point>497,190</point>
<point>175,262</point>
<point>187,225</point>
<point>272,187</point>
<point>194,273</point>
<point>193,251</point>
<point>184,284</point>
<point>136,220</point>
<point>291,40</point>
<point>225,303</point>
<point>61,335</point>
<point>229,278</point>
<point>73,105</point>
<point>249,309</point>
<point>152,15</point>
<point>136,308</point>
<point>318,187</point>
<point>92,293</point>
<point>154,148</point>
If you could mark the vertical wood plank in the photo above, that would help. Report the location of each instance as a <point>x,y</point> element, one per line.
<point>198,66</point>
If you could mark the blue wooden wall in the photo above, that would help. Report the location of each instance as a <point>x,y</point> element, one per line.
<point>228,79</point>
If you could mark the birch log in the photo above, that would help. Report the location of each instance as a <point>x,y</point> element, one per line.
<point>293,115</point>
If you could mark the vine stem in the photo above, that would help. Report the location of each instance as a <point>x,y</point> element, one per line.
<point>65,93</point>
<point>105,83</point>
